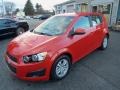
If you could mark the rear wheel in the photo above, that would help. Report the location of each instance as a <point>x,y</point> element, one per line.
<point>20,31</point>
<point>60,68</point>
<point>104,44</point>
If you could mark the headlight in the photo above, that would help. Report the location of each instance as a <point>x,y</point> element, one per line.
<point>35,58</point>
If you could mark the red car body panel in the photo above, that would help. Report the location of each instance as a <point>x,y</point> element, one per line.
<point>77,46</point>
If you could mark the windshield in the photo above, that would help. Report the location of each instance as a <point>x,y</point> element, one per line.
<point>54,26</point>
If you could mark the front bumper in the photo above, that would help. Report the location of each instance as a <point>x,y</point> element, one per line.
<point>32,72</point>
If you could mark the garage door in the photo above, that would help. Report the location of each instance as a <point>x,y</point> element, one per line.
<point>70,8</point>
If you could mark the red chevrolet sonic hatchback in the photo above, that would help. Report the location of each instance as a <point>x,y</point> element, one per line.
<point>48,51</point>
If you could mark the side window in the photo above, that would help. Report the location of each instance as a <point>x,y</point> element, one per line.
<point>99,19</point>
<point>8,21</point>
<point>2,22</point>
<point>96,20</point>
<point>83,22</point>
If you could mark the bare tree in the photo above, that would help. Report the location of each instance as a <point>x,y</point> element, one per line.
<point>9,7</point>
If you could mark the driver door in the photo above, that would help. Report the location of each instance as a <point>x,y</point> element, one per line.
<point>6,27</point>
<point>3,27</point>
<point>81,45</point>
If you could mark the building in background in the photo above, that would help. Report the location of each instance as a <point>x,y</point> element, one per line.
<point>110,8</point>
<point>83,5</point>
<point>73,6</point>
<point>66,7</point>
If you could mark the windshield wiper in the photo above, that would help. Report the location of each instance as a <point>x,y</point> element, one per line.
<point>42,33</point>
<point>45,34</point>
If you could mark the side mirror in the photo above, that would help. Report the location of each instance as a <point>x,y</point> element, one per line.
<point>79,31</point>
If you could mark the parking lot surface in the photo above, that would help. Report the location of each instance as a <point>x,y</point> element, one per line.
<point>99,70</point>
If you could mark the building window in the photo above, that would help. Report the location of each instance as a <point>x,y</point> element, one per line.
<point>63,11</point>
<point>59,7</point>
<point>77,7</point>
<point>94,9</point>
<point>105,9</point>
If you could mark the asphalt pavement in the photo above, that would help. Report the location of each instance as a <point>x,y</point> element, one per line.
<point>99,70</point>
<point>34,23</point>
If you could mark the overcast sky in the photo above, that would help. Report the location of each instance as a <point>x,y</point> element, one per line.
<point>47,4</point>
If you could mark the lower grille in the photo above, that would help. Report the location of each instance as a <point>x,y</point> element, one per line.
<point>37,73</point>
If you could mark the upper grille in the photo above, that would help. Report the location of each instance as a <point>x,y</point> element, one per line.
<point>12,57</point>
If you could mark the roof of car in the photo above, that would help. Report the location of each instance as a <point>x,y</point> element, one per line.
<point>78,14</point>
<point>6,18</point>
<point>67,14</point>
<point>2,18</point>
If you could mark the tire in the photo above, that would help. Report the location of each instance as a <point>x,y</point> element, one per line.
<point>20,31</point>
<point>61,67</point>
<point>104,44</point>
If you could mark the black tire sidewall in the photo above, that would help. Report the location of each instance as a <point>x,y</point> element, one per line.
<point>53,71</point>
<point>102,46</point>
<point>18,29</point>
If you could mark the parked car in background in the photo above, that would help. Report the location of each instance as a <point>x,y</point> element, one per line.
<point>48,51</point>
<point>46,16</point>
<point>9,26</point>
<point>8,17</point>
<point>36,17</point>
<point>18,18</point>
<point>28,17</point>
<point>42,17</point>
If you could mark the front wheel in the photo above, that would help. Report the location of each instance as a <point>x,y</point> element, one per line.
<point>60,68</point>
<point>104,44</point>
<point>20,31</point>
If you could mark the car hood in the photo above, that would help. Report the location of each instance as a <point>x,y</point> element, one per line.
<point>28,42</point>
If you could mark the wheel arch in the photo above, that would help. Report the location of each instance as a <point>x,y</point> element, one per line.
<point>67,54</point>
<point>24,26</point>
<point>108,35</point>
<point>56,56</point>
